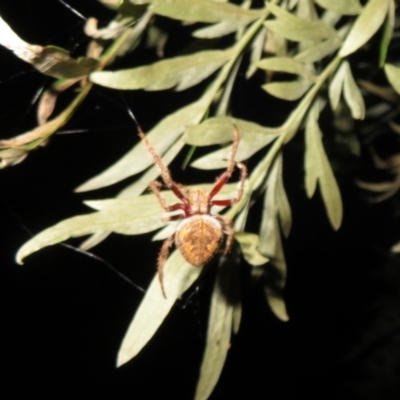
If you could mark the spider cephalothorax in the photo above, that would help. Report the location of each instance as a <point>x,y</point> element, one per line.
<point>200,234</point>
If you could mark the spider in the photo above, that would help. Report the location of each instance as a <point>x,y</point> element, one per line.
<point>200,234</point>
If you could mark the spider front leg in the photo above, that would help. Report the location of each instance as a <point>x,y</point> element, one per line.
<point>165,174</point>
<point>162,257</point>
<point>221,182</point>
<point>155,187</point>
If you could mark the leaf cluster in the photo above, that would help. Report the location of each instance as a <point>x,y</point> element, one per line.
<point>301,48</point>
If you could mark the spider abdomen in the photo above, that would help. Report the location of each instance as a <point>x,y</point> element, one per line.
<point>198,238</point>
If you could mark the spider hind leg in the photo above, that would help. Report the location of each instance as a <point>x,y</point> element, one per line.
<point>162,257</point>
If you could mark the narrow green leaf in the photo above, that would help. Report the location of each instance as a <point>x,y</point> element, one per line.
<point>178,277</point>
<point>288,90</point>
<point>284,211</point>
<point>306,10</point>
<point>271,245</point>
<point>127,216</point>
<point>257,49</point>
<point>204,11</point>
<point>94,239</point>
<point>162,136</point>
<point>217,30</point>
<point>275,44</point>
<point>318,168</point>
<point>297,29</point>
<point>319,51</point>
<point>218,334</point>
<point>343,7</point>
<point>387,34</point>
<point>249,243</point>
<point>365,26</point>
<point>253,137</point>
<point>336,86</point>
<point>352,94</point>
<point>236,300</point>
<point>10,157</point>
<point>393,76</point>
<point>286,64</point>
<point>57,63</point>
<point>179,72</point>
<point>275,280</point>
<point>236,318</point>
<point>219,130</point>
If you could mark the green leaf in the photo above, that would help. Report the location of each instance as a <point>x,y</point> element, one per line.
<point>277,202</point>
<point>257,49</point>
<point>297,29</point>
<point>126,8</point>
<point>284,211</point>
<point>343,7</point>
<point>131,216</point>
<point>10,157</point>
<point>249,243</point>
<point>253,137</point>
<point>178,277</point>
<point>218,334</point>
<point>387,34</point>
<point>271,244</point>
<point>57,63</point>
<point>336,86</point>
<point>162,136</point>
<point>204,11</point>
<point>286,64</point>
<point>318,169</point>
<point>352,94</point>
<point>365,26</point>
<point>393,76</point>
<point>319,51</point>
<point>275,280</point>
<point>94,239</point>
<point>288,90</point>
<point>217,30</point>
<point>180,72</point>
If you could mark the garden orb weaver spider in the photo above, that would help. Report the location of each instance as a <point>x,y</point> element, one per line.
<point>200,234</point>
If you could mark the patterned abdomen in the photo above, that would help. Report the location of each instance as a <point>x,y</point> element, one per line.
<point>198,238</point>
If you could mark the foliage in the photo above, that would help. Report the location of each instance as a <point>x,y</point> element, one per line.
<point>301,47</point>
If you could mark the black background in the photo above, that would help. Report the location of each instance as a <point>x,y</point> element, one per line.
<point>63,315</point>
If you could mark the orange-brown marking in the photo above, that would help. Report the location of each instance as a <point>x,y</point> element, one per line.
<point>198,238</point>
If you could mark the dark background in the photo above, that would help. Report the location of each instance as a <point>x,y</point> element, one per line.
<point>63,314</point>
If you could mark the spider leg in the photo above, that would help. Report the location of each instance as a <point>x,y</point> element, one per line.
<point>228,229</point>
<point>162,257</point>
<point>222,179</point>
<point>229,202</point>
<point>155,188</point>
<point>235,145</point>
<point>165,174</point>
